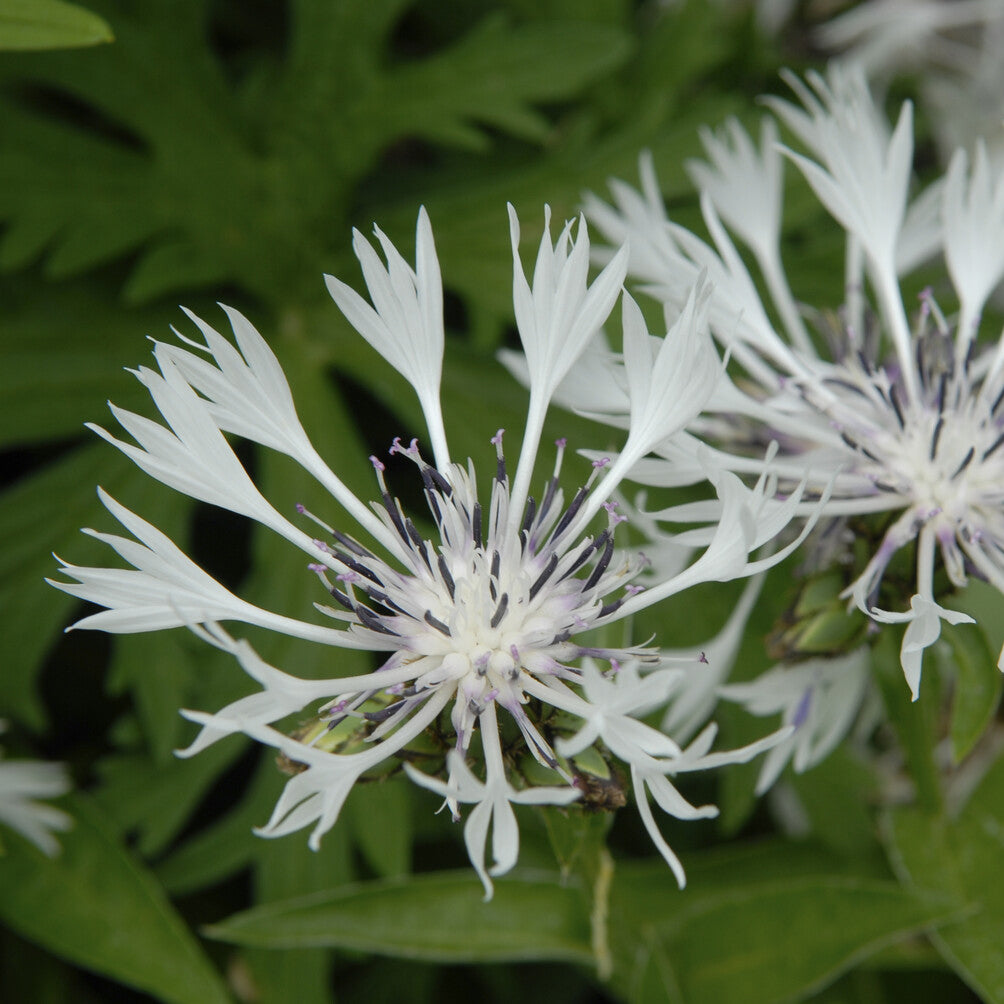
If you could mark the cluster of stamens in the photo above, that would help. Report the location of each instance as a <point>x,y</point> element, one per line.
<point>936,454</point>
<point>488,611</point>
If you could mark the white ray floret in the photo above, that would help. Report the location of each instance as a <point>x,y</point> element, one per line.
<point>23,786</point>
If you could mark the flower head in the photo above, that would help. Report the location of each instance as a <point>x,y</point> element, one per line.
<point>900,416</point>
<point>484,608</point>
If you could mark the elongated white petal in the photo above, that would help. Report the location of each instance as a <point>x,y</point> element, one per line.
<point>405,323</point>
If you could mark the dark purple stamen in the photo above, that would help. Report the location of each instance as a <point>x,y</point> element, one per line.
<point>570,513</point>
<point>601,565</point>
<point>531,511</point>
<point>996,444</point>
<point>444,572</point>
<point>352,545</point>
<point>383,715</point>
<point>372,621</point>
<point>434,622</point>
<point>552,564</point>
<point>937,434</point>
<point>500,610</point>
<point>585,554</point>
<point>965,463</point>
<point>476,525</point>
<point>894,401</point>
<point>997,402</point>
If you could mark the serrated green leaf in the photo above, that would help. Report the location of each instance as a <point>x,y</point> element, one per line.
<point>49,24</point>
<point>531,917</point>
<point>962,858</point>
<point>98,907</point>
<point>199,185</point>
<point>490,76</point>
<point>64,354</point>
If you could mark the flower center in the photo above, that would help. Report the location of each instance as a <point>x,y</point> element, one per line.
<point>488,607</point>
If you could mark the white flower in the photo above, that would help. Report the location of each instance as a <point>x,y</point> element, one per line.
<point>904,418</point>
<point>22,783</point>
<point>819,699</point>
<point>889,35</point>
<point>483,603</point>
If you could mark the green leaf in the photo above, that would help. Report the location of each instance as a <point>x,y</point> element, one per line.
<point>978,681</point>
<point>43,514</point>
<point>197,175</point>
<point>225,847</point>
<point>963,858</point>
<point>764,941</point>
<point>155,799</point>
<point>379,816</point>
<point>531,917</point>
<point>836,795</point>
<point>98,907</point>
<point>159,672</point>
<point>977,690</point>
<point>915,722</point>
<point>288,868</point>
<point>49,24</point>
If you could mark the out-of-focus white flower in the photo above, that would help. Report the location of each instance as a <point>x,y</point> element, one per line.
<point>899,417</point>
<point>22,784</point>
<point>479,607</point>
<point>889,36</point>
<point>819,700</point>
<point>952,47</point>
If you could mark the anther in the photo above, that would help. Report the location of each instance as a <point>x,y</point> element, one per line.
<point>500,610</point>
<point>996,445</point>
<point>476,525</point>
<point>552,564</point>
<point>601,565</point>
<point>444,572</point>
<point>434,622</point>
<point>371,620</point>
<point>965,463</point>
<point>937,435</point>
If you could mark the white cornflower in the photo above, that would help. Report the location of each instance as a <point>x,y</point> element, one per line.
<point>482,608</point>
<point>22,784</point>
<point>901,418</point>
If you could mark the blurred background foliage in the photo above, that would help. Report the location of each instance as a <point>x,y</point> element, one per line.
<point>221,150</point>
